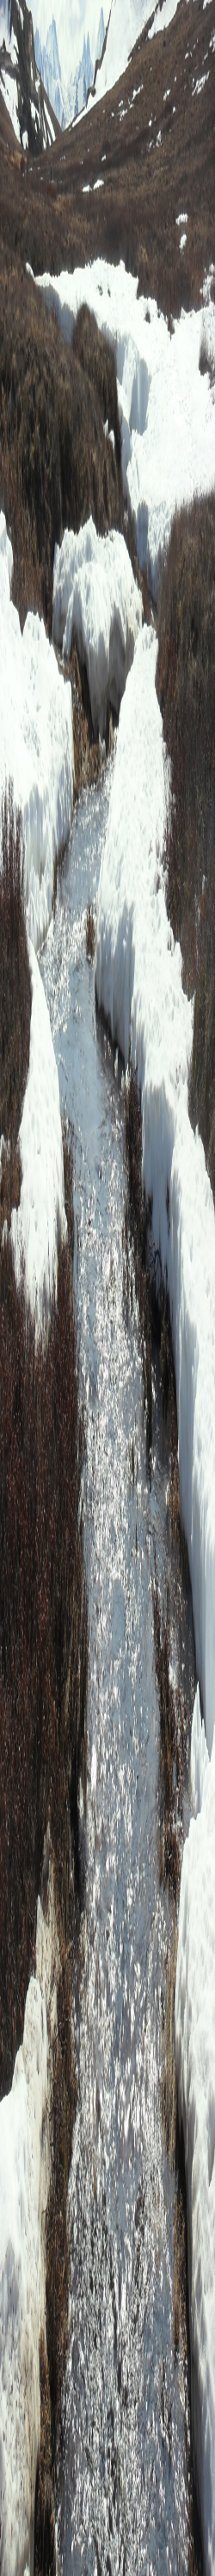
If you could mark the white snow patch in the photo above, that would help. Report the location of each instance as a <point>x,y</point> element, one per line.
<point>163,18</point>
<point>96,599</point>
<point>9,91</point>
<point>195,2068</point>
<point>199,84</point>
<point>36,745</point>
<point>166,406</point>
<point>123,32</point>
<point>199,1757</point>
<point>38,1225</point>
<point>139,974</point>
<point>25,2174</point>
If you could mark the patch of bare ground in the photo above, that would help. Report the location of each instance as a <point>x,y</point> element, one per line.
<point>15,1007</point>
<point>90,934</point>
<point>46,217</point>
<point>43,1648</point>
<point>173,1737</point>
<point>186,689</point>
<point>56,467</point>
<point>155,1319</point>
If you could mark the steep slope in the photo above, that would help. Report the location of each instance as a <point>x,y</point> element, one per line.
<point>20,84</point>
<point>67,102</point>
<point>123,34</point>
<point>48,64</point>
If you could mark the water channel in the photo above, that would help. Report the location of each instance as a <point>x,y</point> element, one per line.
<point>125,2500</point>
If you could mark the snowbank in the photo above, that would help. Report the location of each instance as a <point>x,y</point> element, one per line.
<point>122,35</point>
<point>166,405</point>
<point>36,744</point>
<point>96,599</point>
<point>25,2173</point>
<point>139,973</point>
<point>38,1224</point>
<point>195,2067</point>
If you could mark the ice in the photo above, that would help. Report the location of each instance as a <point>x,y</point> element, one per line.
<point>38,1225</point>
<point>195,2067</point>
<point>139,977</point>
<point>97,601</point>
<point>25,2174</point>
<point>36,745</point>
<point>166,406</point>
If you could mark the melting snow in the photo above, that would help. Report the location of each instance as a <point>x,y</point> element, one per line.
<point>166,406</point>
<point>36,744</point>
<point>96,599</point>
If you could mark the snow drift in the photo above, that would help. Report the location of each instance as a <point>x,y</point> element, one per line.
<point>25,2175</point>
<point>139,976</point>
<point>195,2067</point>
<point>122,35</point>
<point>36,744</point>
<point>97,601</point>
<point>166,405</point>
<point>38,1224</point>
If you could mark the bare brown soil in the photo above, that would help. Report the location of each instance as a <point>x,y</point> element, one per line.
<point>186,688</point>
<point>44,215</point>
<point>43,1648</point>
<point>55,465</point>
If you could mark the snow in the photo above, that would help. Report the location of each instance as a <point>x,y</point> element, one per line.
<point>9,92</point>
<point>36,745</point>
<point>123,32</point>
<point>38,1225</point>
<point>195,2067</point>
<point>163,17</point>
<point>25,2174</point>
<point>166,405</point>
<point>139,974</point>
<point>96,599</point>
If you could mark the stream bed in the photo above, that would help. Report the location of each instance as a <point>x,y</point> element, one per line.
<point>125,2478</point>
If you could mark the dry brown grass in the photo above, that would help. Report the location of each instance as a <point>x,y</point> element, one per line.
<point>87,763</point>
<point>90,934</point>
<point>134,216</point>
<point>44,2539</point>
<point>58,2249</point>
<point>55,465</point>
<point>140,1215</point>
<point>168,2079</point>
<point>15,980</point>
<point>172,1746</point>
<point>43,1648</point>
<point>186,688</point>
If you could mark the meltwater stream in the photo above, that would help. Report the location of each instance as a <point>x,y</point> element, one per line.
<point>125,2500</point>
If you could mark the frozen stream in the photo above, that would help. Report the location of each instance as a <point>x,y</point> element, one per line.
<point>126,2491</point>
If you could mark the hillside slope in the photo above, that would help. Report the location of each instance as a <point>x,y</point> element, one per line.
<point>21,88</point>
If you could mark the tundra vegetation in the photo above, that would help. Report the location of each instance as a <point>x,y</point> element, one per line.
<point>43,1637</point>
<point>186,690</point>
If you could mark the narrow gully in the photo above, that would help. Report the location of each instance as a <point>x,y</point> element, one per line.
<point>125,2500</point>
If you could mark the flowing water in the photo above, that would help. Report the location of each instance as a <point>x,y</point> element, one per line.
<point>125,2498</point>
